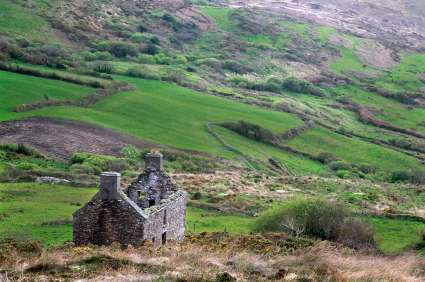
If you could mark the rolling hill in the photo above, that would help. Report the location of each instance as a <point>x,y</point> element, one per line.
<point>252,103</point>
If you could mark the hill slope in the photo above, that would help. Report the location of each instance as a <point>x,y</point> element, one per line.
<point>355,82</point>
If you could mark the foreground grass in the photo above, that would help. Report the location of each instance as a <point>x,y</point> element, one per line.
<point>44,212</point>
<point>394,235</point>
<point>40,211</point>
<point>199,220</point>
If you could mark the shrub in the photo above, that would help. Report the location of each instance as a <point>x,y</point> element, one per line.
<point>163,59</point>
<point>296,85</point>
<point>151,49</point>
<point>12,245</point>
<point>210,62</point>
<point>81,169</point>
<point>131,152</point>
<point>252,131</point>
<point>411,176</point>
<point>356,233</point>
<point>103,67</point>
<point>142,28</point>
<point>197,196</point>
<point>224,277</point>
<point>117,165</point>
<point>27,166</point>
<point>325,158</point>
<point>118,49</point>
<point>236,67</point>
<point>138,38</point>
<point>19,149</point>
<point>317,218</point>
<point>175,76</point>
<point>145,59</point>
<point>98,163</point>
<point>96,56</point>
<point>140,73</point>
<point>339,165</point>
<point>155,40</point>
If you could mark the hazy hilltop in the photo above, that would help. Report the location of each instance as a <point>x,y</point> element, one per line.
<point>400,22</point>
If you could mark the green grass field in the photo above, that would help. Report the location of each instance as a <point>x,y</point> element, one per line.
<point>352,150</point>
<point>394,236</point>
<point>17,89</point>
<point>167,114</point>
<point>389,110</point>
<point>43,212</point>
<point>295,164</point>
<point>405,76</point>
<point>18,21</point>
<point>32,209</point>
<point>220,15</point>
<point>348,62</point>
<point>160,112</point>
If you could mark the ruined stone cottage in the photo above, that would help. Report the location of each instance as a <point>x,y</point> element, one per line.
<point>151,208</point>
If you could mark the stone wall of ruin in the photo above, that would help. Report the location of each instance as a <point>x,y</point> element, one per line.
<point>102,222</point>
<point>169,217</point>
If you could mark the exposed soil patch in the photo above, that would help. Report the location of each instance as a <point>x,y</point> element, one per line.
<point>62,138</point>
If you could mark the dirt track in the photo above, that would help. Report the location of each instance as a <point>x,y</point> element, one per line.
<point>62,138</point>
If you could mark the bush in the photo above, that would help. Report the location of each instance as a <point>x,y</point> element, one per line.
<point>317,218</point>
<point>339,165</point>
<point>325,158</point>
<point>118,49</point>
<point>103,67</point>
<point>411,176</point>
<point>146,59</point>
<point>236,67</point>
<point>356,233</point>
<point>99,163</point>
<point>296,85</point>
<point>151,49</point>
<point>27,166</point>
<point>142,28</point>
<point>252,131</point>
<point>140,73</point>
<point>138,38</point>
<point>81,169</point>
<point>163,59</point>
<point>19,149</point>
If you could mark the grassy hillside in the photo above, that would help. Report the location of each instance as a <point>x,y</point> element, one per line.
<point>167,114</point>
<point>163,113</point>
<point>19,89</point>
<point>320,140</point>
<point>18,21</point>
<point>44,212</point>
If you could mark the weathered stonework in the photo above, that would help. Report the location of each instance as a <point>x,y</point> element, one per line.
<point>152,208</point>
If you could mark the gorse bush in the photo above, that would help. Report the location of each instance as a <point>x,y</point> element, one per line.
<point>118,49</point>
<point>318,218</point>
<point>296,85</point>
<point>99,163</point>
<point>252,131</point>
<point>410,176</point>
<point>103,67</point>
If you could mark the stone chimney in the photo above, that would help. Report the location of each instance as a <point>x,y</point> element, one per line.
<point>154,161</point>
<point>110,184</point>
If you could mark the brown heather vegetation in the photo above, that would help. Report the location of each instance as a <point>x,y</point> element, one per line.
<point>209,257</point>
